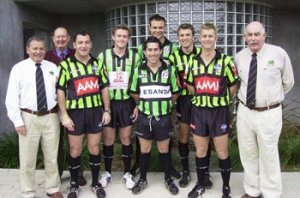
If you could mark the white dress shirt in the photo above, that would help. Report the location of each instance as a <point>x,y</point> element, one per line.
<point>274,74</point>
<point>21,90</point>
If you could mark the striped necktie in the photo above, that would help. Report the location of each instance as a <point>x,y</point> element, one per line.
<point>40,89</point>
<point>251,87</point>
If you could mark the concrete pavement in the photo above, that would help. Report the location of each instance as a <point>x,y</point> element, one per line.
<point>10,186</point>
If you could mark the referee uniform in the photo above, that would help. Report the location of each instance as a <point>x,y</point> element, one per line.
<point>182,62</point>
<point>155,91</point>
<point>122,105</point>
<point>210,106</point>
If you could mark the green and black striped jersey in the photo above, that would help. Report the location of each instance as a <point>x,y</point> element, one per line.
<point>82,83</point>
<point>182,62</point>
<point>168,48</point>
<point>119,70</point>
<point>211,82</point>
<point>155,90</point>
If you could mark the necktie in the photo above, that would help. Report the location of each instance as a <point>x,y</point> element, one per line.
<point>40,89</point>
<point>62,56</point>
<point>251,88</point>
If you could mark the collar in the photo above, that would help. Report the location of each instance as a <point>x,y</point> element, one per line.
<point>126,55</point>
<point>58,52</point>
<point>163,64</point>
<point>217,55</point>
<point>167,42</point>
<point>74,59</point>
<point>194,51</point>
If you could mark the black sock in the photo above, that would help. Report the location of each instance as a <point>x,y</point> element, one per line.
<point>165,161</point>
<point>137,150</point>
<point>94,161</point>
<point>225,169</point>
<point>108,154</point>
<point>184,156</point>
<point>201,165</point>
<point>144,163</point>
<point>208,154</point>
<point>74,166</point>
<point>127,156</point>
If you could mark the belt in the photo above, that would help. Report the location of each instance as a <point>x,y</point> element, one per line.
<point>41,113</point>
<point>260,109</point>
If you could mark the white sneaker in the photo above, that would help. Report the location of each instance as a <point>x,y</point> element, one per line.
<point>105,179</point>
<point>128,180</point>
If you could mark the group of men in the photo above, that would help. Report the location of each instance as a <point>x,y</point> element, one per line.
<point>98,97</point>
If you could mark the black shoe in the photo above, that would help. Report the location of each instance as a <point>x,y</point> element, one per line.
<point>73,192</point>
<point>98,190</point>
<point>226,192</point>
<point>81,180</point>
<point>196,191</point>
<point>173,189</point>
<point>135,170</point>
<point>208,184</point>
<point>139,186</point>
<point>175,173</point>
<point>185,179</point>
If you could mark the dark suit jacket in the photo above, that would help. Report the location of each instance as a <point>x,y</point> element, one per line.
<point>52,57</point>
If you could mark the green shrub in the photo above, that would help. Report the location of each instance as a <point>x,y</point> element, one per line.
<point>9,150</point>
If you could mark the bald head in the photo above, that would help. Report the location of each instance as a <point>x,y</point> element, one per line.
<point>255,36</point>
<point>61,38</point>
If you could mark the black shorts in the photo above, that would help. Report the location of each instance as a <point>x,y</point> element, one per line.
<point>183,109</point>
<point>121,111</point>
<point>86,120</point>
<point>153,128</point>
<point>210,122</point>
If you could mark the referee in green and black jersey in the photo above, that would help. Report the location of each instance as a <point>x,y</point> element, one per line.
<point>154,88</point>
<point>157,27</point>
<point>80,82</point>
<point>181,59</point>
<point>119,61</point>
<point>213,80</point>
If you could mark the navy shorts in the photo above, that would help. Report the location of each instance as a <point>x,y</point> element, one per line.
<point>210,122</point>
<point>153,128</point>
<point>183,109</point>
<point>121,111</point>
<point>86,121</point>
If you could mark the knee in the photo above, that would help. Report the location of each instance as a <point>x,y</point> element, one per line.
<point>126,140</point>
<point>145,149</point>
<point>94,149</point>
<point>75,151</point>
<point>201,151</point>
<point>108,141</point>
<point>184,138</point>
<point>222,154</point>
<point>163,148</point>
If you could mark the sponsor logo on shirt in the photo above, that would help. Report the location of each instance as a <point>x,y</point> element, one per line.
<point>155,91</point>
<point>118,80</point>
<point>270,62</point>
<point>86,86</point>
<point>206,84</point>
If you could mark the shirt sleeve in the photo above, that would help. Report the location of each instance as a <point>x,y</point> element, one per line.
<point>103,75</point>
<point>190,75</point>
<point>62,77</point>
<point>133,82</point>
<point>287,74</point>
<point>174,81</point>
<point>231,73</point>
<point>12,101</point>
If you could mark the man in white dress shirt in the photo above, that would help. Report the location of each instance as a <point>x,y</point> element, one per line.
<point>32,108</point>
<point>266,76</point>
